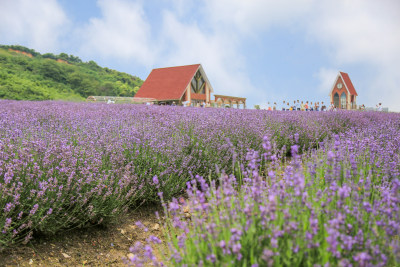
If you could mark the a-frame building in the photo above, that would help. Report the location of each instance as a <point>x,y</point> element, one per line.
<point>177,84</point>
<point>343,94</point>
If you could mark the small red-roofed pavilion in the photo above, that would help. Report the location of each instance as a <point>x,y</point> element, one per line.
<point>343,94</point>
<point>177,84</point>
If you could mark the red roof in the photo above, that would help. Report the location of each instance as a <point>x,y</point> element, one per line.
<point>348,83</point>
<point>167,83</point>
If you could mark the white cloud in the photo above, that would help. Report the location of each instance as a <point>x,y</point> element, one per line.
<point>253,15</point>
<point>326,79</point>
<point>359,30</point>
<point>385,88</point>
<point>216,51</point>
<point>122,32</point>
<point>37,24</point>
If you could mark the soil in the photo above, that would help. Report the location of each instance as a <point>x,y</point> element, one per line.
<point>94,246</point>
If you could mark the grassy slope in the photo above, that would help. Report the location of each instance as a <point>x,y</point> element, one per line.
<point>41,77</point>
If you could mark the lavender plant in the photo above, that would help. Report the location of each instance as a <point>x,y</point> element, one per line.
<point>338,205</point>
<point>65,165</point>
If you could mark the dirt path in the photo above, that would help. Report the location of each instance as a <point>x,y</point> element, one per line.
<point>95,246</point>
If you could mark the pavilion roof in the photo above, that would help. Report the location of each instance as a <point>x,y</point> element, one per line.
<point>229,97</point>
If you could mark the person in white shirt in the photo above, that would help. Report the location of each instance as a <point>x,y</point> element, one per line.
<point>379,107</point>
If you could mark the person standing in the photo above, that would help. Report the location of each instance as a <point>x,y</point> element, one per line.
<point>334,108</point>
<point>283,105</point>
<point>379,107</point>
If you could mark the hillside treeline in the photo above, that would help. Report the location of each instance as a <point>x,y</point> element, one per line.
<point>28,75</point>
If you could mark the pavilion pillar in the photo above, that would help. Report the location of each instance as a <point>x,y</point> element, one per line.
<point>207,93</point>
<point>188,96</point>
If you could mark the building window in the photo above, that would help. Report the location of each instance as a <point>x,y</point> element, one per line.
<point>336,100</point>
<point>343,101</point>
<point>198,84</point>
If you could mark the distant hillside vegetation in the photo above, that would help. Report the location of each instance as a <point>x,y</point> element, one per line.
<point>28,75</point>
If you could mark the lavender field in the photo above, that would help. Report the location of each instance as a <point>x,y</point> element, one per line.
<point>239,187</point>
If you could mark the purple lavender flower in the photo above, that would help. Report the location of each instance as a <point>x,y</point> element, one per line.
<point>344,191</point>
<point>362,258</point>
<point>173,206</point>
<point>294,150</point>
<point>34,209</point>
<point>155,180</point>
<point>367,207</point>
<point>154,239</point>
<point>141,225</point>
<point>236,248</point>
<point>266,143</point>
<point>267,255</point>
<point>212,258</point>
<point>9,206</point>
<point>296,137</point>
<point>7,225</point>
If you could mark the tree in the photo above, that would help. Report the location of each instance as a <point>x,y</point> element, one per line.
<point>42,77</point>
<point>93,65</point>
<point>63,56</point>
<point>52,70</point>
<point>49,55</point>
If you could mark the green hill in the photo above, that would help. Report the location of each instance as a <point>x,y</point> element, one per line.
<point>28,75</point>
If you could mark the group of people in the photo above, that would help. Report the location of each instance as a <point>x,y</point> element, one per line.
<point>310,106</point>
<point>198,104</point>
<point>202,104</point>
<point>300,106</point>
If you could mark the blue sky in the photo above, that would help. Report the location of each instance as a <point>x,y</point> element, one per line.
<point>264,50</point>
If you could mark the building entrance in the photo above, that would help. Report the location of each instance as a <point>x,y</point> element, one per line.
<point>336,100</point>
